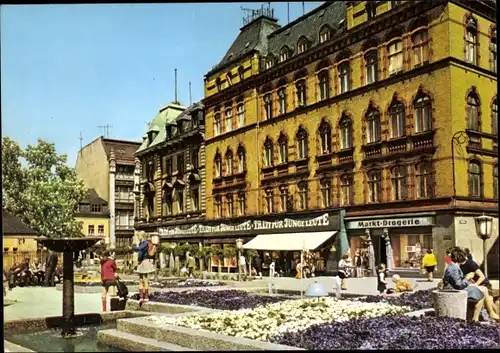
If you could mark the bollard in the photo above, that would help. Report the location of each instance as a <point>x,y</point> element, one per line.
<point>450,303</point>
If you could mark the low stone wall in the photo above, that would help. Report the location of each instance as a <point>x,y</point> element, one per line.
<point>135,289</point>
<point>166,308</point>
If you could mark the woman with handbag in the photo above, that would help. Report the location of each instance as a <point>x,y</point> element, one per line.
<point>429,262</point>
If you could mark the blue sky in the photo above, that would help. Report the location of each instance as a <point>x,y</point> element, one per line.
<point>66,69</point>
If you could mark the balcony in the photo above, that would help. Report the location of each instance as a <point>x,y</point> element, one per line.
<point>125,227</point>
<point>120,176</point>
<point>124,200</point>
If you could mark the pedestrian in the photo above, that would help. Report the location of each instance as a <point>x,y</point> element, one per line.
<point>429,263</point>
<point>37,272</point>
<point>108,278</point>
<point>190,264</point>
<point>447,258</point>
<point>382,279</point>
<point>469,255</point>
<point>358,262</point>
<point>257,265</point>
<point>344,271</point>
<point>401,285</point>
<point>146,254</point>
<point>243,265</point>
<point>13,274</point>
<point>50,269</point>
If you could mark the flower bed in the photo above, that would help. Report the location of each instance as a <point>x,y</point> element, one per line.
<point>416,300</point>
<point>396,332</point>
<point>267,321</point>
<point>221,299</point>
<point>160,284</point>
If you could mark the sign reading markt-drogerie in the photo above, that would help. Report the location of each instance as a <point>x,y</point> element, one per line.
<point>391,223</point>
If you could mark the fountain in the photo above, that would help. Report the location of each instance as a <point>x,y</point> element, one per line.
<point>68,246</point>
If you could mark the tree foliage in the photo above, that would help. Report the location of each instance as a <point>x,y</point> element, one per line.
<point>40,189</point>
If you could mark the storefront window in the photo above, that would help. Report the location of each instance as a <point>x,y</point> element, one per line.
<point>408,249</point>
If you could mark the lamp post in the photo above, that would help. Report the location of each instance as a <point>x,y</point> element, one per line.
<point>155,239</point>
<point>459,138</point>
<point>239,246</point>
<point>484,225</point>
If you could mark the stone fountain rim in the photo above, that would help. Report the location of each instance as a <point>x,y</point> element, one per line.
<point>87,242</point>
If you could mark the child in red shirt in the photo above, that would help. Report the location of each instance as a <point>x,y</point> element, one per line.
<point>447,258</point>
<point>108,278</point>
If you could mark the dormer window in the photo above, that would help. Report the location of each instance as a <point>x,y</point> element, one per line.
<point>371,10</point>
<point>301,45</point>
<point>228,79</point>
<point>241,73</point>
<point>284,54</point>
<point>269,64</point>
<point>324,34</point>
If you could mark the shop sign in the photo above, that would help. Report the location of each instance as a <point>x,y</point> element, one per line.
<point>256,225</point>
<point>391,223</point>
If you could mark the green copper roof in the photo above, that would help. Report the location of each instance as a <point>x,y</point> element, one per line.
<point>166,115</point>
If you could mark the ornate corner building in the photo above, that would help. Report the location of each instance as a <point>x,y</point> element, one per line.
<point>170,170</point>
<point>387,109</point>
<point>107,167</point>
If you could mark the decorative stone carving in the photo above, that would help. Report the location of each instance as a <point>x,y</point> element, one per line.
<point>450,303</point>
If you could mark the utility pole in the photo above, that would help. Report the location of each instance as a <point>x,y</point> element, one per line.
<point>190,98</point>
<point>288,12</point>
<point>175,89</point>
<point>81,141</point>
<point>303,8</point>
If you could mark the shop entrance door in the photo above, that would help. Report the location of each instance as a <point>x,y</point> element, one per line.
<point>380,250</point>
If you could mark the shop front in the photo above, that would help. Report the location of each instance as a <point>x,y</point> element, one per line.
<point>399,241</point>
<point>271,235</point>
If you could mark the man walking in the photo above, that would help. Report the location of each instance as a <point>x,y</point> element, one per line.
<point>50,269</point>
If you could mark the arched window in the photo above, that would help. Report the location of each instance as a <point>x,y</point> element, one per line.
<point>372,126</point>
<point>345,132</point>
<point>395,55</point>
<point>241,73</point>
<point>423,112</point>
<point>282,100</point>
<point>283,148</point>
<point>425,180</point>
<point>218,165</point>
<point>268,148</point>
<point>371,66</point>
<point>420,47</point>
<point>269,200</point>
<point>494,117</point>
<point>324,84</point>
<point>475,179</point>
<point>240,109</point>
<point>241,203</point>
<point>399,184</point>
<point>326,192</point>
<point>473,112</point>
<point>229,119</point>
<point>180,200</point>
<point>284,54</point>
<point>374,186</point>
<point>269,63</point>
<point>493,50</point>
<point>325,134</point>
<point>324,33</point>
<point>397,119</point>
<point>242,163</point>
<point>301,45</point>
<point>495,181</point>
<point>268,106</point>
<point>218,206</point>
<point>301,93</point>
<point>344,77</point>
<point>302,143</point>
<point>229,208</point>
<point>284,198</point>
<point>303,195</point>
<point>168,197</point>
<point>347,189</point>
<point>471,40</point>
<point>217,124</point>
<point>229,162</point>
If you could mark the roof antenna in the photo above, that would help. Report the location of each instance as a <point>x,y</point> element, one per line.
<point>288,12</point>
<point>175,73</point>
<point>303,8</point>
<point>190,100</point>
<point>81,141</point>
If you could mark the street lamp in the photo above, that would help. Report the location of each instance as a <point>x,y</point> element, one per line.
<point>155,239</point>
<point>484,225</point>
<point>239,246</point>
<point>459,138</point>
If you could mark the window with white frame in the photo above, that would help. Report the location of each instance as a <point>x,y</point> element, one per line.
<point>423,113</point>
<point>326,192</point>
<point>229,162</point>
<point>268,148</point>
<point>420,46</point>
<point>284,195</point>
<point>269,63</point>
<point>302,143</point>
<point>344,77</point>
<point>324,34</point>
<point>346,189</point>
<point>425,180</point>
<point>282,100</point>
<point>217,124</point>
<point>397,119</point>
<point>303,195</point>
<point>283,149</point>
<point>325,133</point>
<point>269,200</point>
<point>473,118</point>
<point>284,54</point>
<point>301,93</point>
<point>229,119</point>
<point>268,106</point>
<point>241,204</point>
<point>241,159</point>
<point>301,46</point>
<point>324,85</point>
<point>240,109</point>
<point>475,179</point>
<point>471,40</point>
<point>374,185</point>
<point>345,132</point>
<point>372,126</point>
<point>371,66</point>
<point>399,184</point>
<point>395,56</point>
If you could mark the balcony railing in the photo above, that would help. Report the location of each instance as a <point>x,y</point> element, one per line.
<point>125,177</point>
<point>124,227</point>
<point>122,199</point>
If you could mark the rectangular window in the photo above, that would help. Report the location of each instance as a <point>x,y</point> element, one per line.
<point>375,186</point>
<point>371,67</point>
<point>96,208</point>
<point>218,206</point>
<point>91,229</point>
<point>324,87</point>
<point>282,100</point>
<point>326,193</point>
<point>241,204</point>
<point>100,229</point>
<point>180,163</point>
<point>395,50</point>
<point>229,119</point>
<point>420,47</point>
<point>241,115</point>
<point>268,106</point>
<point>344,77</point>
<point>301,94</point>
<point>303,195</point>
<point>346,188</point>
<point>269,201</point>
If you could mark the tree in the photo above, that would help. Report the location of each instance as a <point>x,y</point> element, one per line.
<point>40,189</point>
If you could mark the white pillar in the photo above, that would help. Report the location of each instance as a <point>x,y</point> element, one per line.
<point>371,254</point>
<point>112,175</point>
<point>163,260</point>
<point>388,250</point>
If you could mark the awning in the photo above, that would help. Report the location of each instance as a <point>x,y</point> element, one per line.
<point>289,241</point>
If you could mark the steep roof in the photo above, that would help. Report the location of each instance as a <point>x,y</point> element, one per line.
<point>123,150</point>
<point>253,36</point>
<point>93,198</point>
<point>331,13</point>
<point>13,225</point>
<point>166,115</point>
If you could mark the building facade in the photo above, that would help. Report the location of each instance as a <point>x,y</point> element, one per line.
<point>108,166</point>
<point>384,109</point>
<point>93,215</point>
<point>170,174</point>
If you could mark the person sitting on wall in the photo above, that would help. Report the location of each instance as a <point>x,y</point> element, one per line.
<point>400,285</point>
<point>25,274</point>
<point>469,255</point>
<point>12,274</point>
<point>37,271</point>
